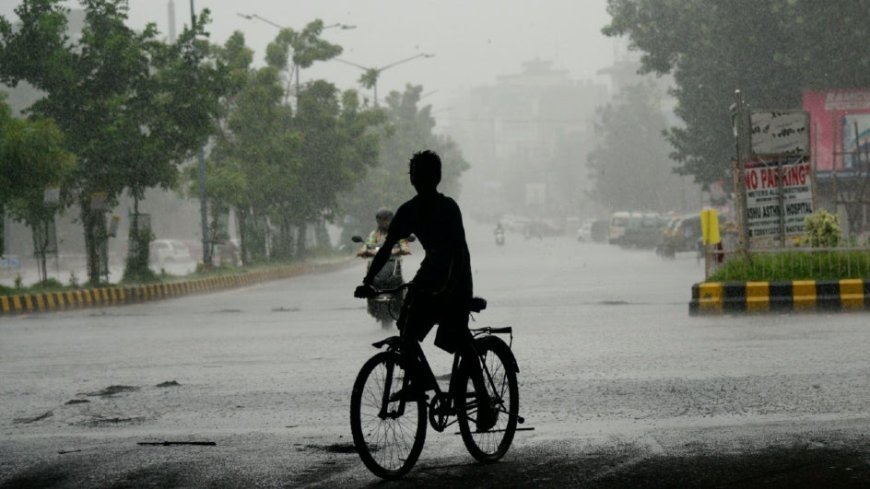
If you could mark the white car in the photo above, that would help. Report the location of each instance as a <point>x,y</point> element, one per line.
<point>164,251</point>
<point>584,232</point>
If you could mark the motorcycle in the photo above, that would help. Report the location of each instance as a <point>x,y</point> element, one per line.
<point>499,237</point>
<point>385,307</point>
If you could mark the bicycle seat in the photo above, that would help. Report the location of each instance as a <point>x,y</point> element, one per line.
<point>477,304</point>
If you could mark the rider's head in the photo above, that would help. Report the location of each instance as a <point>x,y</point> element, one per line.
<point>384,217</point>
<point>425,171</point>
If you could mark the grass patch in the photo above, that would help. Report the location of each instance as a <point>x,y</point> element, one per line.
<point>794,265</point>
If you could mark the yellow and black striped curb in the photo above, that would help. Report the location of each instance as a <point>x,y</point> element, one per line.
<point>796,295</point>
<point>118,295</point>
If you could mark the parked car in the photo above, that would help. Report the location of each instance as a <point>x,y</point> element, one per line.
<point>584,232</point>
<point>600,230</point>
<point>164,251</point>
<point>636,229</point>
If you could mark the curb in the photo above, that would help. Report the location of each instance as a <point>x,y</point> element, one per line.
<point>135,294</point>
<point>785,296</point>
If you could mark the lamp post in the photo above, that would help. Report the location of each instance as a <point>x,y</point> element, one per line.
<point>296,68</point>
<point>343,27</point>
<point>203,203</point>
<point>369,79</point>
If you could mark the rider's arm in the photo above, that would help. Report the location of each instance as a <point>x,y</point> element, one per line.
<point>403,248</point>
<point>398,230</point>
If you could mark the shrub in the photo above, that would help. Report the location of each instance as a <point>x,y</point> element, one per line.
<point>822,229</point>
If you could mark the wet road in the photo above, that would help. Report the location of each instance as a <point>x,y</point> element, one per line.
<point>623,388</point>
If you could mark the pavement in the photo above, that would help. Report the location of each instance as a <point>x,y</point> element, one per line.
<point>622,387</point>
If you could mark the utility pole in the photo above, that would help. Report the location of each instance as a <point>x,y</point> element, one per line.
<point>740,128</point>
<point>203,203</point>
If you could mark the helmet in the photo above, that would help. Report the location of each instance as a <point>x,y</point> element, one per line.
<point>384,213</point>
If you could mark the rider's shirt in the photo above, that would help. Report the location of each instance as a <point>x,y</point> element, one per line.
<point>437,222</point>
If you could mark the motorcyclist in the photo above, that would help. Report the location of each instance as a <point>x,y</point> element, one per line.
<point>378,235</point>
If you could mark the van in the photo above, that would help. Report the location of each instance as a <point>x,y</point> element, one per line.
<point>618,225</point>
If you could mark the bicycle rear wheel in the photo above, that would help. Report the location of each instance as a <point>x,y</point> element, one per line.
<point>387,435</point>
<point>500,377</point>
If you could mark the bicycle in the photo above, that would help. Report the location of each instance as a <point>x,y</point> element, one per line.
<point>389,431</point>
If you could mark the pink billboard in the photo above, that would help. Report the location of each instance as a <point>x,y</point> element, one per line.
<point>839,126</point>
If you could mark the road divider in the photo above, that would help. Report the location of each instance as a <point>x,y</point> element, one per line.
<point>785,296</point>
<point>38,302</point>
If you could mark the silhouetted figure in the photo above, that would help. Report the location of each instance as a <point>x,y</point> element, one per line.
<point>442,288</point>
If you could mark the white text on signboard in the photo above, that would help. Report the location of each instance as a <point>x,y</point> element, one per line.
<point>763,204</point>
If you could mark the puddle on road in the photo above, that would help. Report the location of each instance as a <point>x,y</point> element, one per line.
<point>225,311</point>
<point>111,391</point>
<point>99,421</point>
<point>335,448</point>
<point>286,309</point>
<point>33,419</point>
<point>170,383</point>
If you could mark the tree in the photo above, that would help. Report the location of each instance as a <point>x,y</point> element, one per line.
<point>630,164</point>
<point>132,108</point>
<point>32,160</point>
<point>770,49</point>
<point>410,129</point>
<point>281,169</point>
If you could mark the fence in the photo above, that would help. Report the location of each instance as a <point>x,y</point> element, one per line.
<point>793,263</point>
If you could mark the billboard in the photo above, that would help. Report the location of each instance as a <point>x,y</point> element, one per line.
<point>779,132</point>
<point>856,139</point>
<point>832,117</point>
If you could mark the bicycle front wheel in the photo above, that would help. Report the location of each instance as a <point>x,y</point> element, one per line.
<point>387,435</point>
<point>500,378</point>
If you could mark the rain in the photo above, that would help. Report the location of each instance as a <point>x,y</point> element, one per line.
<point>214,212</point>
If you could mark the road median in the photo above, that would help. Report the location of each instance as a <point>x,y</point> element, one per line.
<point>116,295</point>
<point>780,296</point>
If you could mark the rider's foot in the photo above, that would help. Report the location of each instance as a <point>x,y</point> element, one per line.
<point>487,415</point>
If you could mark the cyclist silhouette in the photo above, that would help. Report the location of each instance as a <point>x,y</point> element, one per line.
<point>443,287</point>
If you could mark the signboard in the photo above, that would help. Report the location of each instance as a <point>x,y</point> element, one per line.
<point>833,114</point>
<point>763,204</point>
<point>780,132</point>
<point>856,140</point>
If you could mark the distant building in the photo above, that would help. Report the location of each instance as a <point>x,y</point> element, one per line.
<point>526,138</point>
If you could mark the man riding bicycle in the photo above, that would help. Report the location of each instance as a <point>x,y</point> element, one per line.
<point>442,288</point>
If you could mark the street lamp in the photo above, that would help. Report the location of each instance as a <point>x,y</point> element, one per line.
<point>343,27</point>
<point>369,79</point>
<point>296,68</point>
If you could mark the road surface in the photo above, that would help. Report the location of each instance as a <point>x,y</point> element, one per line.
<point>621,386</point>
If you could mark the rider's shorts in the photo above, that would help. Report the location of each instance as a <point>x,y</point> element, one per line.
<point>423,310</point>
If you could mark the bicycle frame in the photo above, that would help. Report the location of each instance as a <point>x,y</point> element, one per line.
<point>394,344</point>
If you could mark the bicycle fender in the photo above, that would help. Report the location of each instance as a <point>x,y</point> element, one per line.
<point>497,343</point>
<point>390,342</point>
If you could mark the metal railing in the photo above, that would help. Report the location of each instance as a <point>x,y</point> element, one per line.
<point>849,260</point>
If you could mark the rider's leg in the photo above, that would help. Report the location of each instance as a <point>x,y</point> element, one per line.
<point>412,330</point>
<point>486,413</point>
<point>472,363</point>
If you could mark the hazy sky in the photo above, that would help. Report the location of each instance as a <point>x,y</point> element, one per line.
<point>474,41</point>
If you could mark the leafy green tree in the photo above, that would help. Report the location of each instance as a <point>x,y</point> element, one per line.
<point>770,49</point>
<point>32,159</point>
<point>132,107</point>
<point>409,129</point>
<point>281,169</point>
<point>630,164</point>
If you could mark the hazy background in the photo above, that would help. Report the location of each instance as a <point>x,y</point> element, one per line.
<point>473,41</point>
